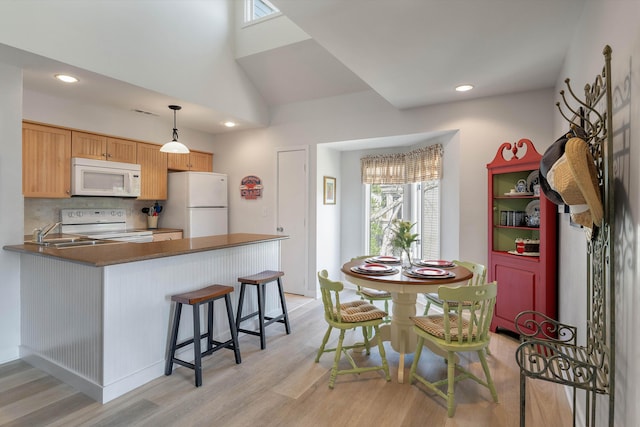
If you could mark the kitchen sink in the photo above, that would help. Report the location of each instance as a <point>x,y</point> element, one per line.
<point>71,242</point>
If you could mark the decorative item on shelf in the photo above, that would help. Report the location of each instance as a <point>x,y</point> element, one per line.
<point>402,239</point>
<point>174,146</point>
<point>329,192</point>
<point>152,215</point>
<point>250,187</point>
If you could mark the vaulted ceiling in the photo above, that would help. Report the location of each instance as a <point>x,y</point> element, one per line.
<point>412,53</point>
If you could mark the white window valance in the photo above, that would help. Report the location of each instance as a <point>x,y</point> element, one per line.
<point>423,164</point>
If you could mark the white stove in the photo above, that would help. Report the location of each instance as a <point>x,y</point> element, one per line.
<point>101,224</point>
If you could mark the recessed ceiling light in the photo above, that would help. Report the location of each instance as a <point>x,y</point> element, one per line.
<point>66,78</point>
<point>229,124</point>
<point>464,88</point>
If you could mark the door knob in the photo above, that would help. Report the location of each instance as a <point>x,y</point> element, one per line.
<point>280,229</point>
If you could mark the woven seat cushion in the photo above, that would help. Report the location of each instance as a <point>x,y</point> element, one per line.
<point>434,325</point>
<point>359,311</point>
<point>435,300</point>
<point>374,293</point>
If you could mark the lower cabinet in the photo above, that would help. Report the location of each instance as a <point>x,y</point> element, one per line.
<point>172,235</point>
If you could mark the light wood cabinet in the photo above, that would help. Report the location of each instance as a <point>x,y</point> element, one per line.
<point>173,235</point>
<point>197,161</point>
<point>153,170</point>
<point>100,147</point>
<point>46,161</point>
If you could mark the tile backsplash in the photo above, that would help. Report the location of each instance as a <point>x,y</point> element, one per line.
<point>39,212</point>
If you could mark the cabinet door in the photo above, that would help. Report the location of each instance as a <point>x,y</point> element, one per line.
<point>200,162</point>
<point>88,145</point>
<point>46,161</point>
<point>121,150</point>
<point>161,237</point>
<point>178,162</point>
<point>153,164</point>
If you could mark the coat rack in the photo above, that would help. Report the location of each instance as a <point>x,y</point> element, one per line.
<point>548,350</point>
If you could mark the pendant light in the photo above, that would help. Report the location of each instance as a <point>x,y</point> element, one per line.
<point>174,146</point>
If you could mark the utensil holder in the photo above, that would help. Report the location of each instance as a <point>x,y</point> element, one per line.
<point>152,222</point>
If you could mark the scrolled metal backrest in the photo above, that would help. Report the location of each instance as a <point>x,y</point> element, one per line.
<point>479,272</point>
<point>330,291</point>
<point>478,315</point>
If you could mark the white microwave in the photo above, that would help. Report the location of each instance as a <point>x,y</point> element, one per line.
<point>91,177</point>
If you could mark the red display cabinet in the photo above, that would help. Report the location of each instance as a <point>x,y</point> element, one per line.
<point>519,210</point>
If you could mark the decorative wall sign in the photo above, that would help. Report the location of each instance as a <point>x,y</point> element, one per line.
<point>251,187</point>
<point>329,190</point>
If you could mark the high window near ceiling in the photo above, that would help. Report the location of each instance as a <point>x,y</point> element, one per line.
<point>255,10</point>
<point>403,186</point>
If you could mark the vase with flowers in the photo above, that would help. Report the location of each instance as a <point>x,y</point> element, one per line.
<point>403,238</point>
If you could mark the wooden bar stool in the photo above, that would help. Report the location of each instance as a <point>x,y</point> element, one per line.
<point>260,280</point>
<point>196,299</point>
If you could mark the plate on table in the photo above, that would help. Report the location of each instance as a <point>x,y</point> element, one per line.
<point>533,179</point>
<point>429,273</point>
<point>373,268</point>
<point>383,259</point>
<point>440,263</point>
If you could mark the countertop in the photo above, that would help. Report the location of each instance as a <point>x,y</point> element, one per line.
<point>123,252</point>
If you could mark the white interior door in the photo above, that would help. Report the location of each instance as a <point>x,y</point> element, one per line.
<point>292,218</point>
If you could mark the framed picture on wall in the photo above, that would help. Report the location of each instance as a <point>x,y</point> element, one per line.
<point>329,193</point>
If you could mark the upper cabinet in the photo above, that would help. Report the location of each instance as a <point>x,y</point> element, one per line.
<point>92,146</point>
<point>47,152</point>
<point>197,161</point>
<point>153,164</point>
<point>46,161</point>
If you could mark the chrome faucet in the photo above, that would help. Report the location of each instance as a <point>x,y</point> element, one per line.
<point>40,233</point>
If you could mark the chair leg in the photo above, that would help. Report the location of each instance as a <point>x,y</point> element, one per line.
<point>283,304</point>
<point>232,329</point>
<point>426,308</point>
<point>487,373</point>
<point>174,339</point>
<point>416,359</point>
<point>365,333</point>
<point>383,355</point>
<point>451,377</point>
<point>336,360</point>
<point>240,304</point>
<point>210,326</point>
<point>263,338</point>
<point>324,343</point>
<point>197,361</point>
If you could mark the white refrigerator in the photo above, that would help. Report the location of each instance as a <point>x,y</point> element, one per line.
<point>196,203</point>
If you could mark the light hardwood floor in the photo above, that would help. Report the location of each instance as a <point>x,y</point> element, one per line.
<point>282,386</point>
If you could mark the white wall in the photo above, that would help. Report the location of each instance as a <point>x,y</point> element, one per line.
<point>482,125</point>
<point>614,23</point>
<point>11,202</point>
<point>329,216</point>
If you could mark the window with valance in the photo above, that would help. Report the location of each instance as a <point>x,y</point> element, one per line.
<point>403,186</point>
<point>422,164</point>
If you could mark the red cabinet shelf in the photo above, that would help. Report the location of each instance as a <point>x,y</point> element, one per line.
<point>524,282</point>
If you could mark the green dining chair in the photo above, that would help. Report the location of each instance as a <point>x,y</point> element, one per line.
<point>344,316</point>
<point>479,277</point>
<point>372,295</point>
<point>461,328</point>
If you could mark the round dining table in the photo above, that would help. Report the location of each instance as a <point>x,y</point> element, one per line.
<point>404,291</point>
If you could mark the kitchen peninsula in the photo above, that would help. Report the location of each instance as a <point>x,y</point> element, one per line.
<point>97,317</point>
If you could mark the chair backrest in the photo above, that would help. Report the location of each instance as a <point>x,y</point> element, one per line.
<point>479,272</point>
<point>330,291</point>
<point>362,257</point>
<point>472,321</point>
